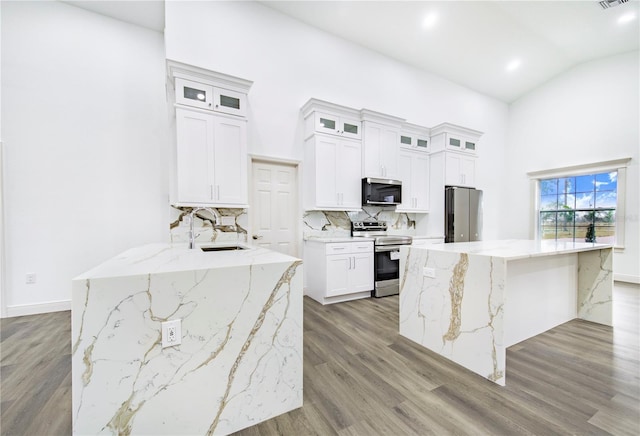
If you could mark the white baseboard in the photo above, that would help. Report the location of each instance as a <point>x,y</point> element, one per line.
<point>626,278</point>
<point>34,309</point>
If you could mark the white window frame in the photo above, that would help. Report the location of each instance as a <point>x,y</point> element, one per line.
<point>619,165</point>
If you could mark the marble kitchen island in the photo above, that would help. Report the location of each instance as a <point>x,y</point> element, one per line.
<point>240,360</point>
<point>469,301</point>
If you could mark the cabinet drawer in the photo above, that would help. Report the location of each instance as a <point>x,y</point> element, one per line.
<point>349,247</point>
<point>338,248</point>
<point>362,247</point>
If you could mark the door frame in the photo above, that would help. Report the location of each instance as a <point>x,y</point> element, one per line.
<point>3,309</point>
<point>298,207</point>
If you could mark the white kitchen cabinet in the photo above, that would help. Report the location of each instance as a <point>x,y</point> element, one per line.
<point>211,160</point>
<point>414,137</point>
<point>334,124</point>
<point>380,150</point>
<point>332,173</point>
<point>205,96</point>
<point>457,148</point>
<point>450,137</point>
<point>460,170</point>
<point>338,271</point>
<point>415,176</point>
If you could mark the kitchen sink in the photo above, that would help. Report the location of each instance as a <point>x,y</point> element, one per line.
<point>223,248</point>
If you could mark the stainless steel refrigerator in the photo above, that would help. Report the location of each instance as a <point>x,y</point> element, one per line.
<point>462,214</point>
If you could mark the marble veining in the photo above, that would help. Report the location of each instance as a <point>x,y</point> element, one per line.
<point>456,291</point>
<point>240,360</point>
<point>328,224</point>
<point>459,312</point>
<point>205,229</point>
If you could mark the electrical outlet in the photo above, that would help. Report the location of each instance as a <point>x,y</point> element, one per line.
<point>31,278</point>
<point>171,333</point>
<point>429,272</point>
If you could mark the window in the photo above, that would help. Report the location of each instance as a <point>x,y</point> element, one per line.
<point>581,203</point>
<point>579,208</point>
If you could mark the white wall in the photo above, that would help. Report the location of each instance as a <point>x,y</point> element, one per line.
<point>586,115</point>
<point>291,62</point>
<point>84,123</point>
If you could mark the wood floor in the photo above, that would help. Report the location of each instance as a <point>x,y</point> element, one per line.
<point>362,378</point>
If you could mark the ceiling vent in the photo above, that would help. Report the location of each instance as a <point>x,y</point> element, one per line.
<point>606,4</point>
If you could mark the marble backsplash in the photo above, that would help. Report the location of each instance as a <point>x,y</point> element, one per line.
<point>316,224</point>
<point>204,228</point>
<point>323,224</point>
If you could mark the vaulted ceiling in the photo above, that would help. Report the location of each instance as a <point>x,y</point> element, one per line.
<point>502,49</point>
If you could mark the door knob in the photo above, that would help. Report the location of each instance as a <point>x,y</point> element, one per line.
<point>256,237</point>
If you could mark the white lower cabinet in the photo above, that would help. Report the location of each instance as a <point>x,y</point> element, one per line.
<point>338,271</point>
<point>211,160</point>
<point>414,167</point>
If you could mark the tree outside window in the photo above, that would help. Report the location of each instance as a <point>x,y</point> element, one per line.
<point>579,208</point>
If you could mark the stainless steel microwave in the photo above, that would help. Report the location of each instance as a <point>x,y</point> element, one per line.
<point>381,192</point>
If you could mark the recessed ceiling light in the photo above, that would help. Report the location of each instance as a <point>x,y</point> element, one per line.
<point>513,65</point>
<point>429,20</point>
<point>629,16</point>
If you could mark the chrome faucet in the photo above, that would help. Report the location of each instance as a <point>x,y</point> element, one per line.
<point>192,215</point>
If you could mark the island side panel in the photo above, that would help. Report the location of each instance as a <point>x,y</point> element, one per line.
<point>240,361</point>
<point>541,294</point>
<point>595,286</point>
<point>459,312</point>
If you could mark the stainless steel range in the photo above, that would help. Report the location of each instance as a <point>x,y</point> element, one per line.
<point>386,260</point>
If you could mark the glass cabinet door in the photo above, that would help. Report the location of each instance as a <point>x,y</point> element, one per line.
<point>326,123</point>
<point>229,102</point>
<point>194,94</point>
<point>406,141</point>
<point>350,128</point>
<point>422,144</point>
<point>454,143</point>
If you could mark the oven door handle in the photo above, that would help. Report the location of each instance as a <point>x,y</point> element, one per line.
<point>385,248</point>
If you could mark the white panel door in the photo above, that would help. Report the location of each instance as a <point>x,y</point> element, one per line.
<point>274,206</point>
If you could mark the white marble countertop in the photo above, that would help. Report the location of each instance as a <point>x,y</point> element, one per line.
<point>328,240</point>
<point>513,249</point>
<point>164,258</point>
<point>428,237</point>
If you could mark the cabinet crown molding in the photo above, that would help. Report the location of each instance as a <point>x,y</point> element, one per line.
<point>315,104</point>
<point>378,117</point>
<point>456,130</point>
<point>207,77</point>
<point>415,128</point>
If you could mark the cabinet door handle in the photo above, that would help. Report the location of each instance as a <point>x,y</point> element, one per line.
<point>211,192</point>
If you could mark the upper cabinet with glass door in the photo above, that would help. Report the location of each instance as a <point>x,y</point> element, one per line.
<point>414,137</point>
<point>207,93</point>
<point>324,117</point>
<point>450,137</point>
